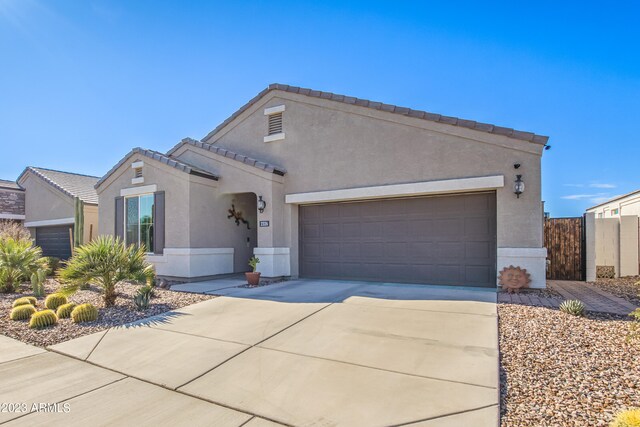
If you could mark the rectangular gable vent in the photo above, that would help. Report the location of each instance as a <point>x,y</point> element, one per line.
<point>138,172</point>
<point>275,123</point>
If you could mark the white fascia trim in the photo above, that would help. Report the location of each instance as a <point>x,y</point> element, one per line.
<point>11,216</point>
<point>274,137</point>
<point>46,222</point>
<point>271,251</point>
<point>139,190</point>
<point>523,252</point>
<point>137,180</point>
<point>137,164</point>
<point>274,110</point>
<point>400,190</point>
<point>197,251</point>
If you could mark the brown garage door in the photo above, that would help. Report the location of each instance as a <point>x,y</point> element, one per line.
<point>444,240</point>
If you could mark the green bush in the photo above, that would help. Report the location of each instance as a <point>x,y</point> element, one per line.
<point>629,418</point>
<point>19,259</point>
<point>42,319</point>
<point>84,313</point>
<point>22,312</point>
<point>253,263</point>
<point>24,301</point>
<point>64,311</point>
<point>573,307</point>
<point>105,261</point>
<point>53,301</point>
<point>53,264</point>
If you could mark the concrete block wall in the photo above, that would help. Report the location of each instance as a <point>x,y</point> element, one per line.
<point>613,242</point>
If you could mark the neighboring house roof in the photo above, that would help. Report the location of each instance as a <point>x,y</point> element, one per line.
<point>71,184</point>
<point>624,196</point>
<point>454,121</point>
<point>231,155</point>
<point>10,185</point>
<point>162,158</point>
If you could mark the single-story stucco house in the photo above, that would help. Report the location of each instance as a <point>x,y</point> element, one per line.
<point>61,209</point>
<point>321,185</point>
<point>11,201</point>
<point>627,204</point>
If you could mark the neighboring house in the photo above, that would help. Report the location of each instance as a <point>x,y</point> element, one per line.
<point>321,185</point>
<point>628,204</point>
<point>11,201</point>
<point>613,237</point>
<point>51,208</point>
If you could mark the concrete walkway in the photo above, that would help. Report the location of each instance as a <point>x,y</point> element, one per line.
<point>594,298</point>
<point>365,360</point>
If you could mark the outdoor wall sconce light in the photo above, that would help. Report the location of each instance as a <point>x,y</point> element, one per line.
<point>261,204</point>
<point>518,187</point>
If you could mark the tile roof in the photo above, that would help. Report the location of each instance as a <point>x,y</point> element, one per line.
<point>11,185</point>
<point>454,121</point>
<point>231,155</point>
<point>162,158</point>
<point>72,184</point>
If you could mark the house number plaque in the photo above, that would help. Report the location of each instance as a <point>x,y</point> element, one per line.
<point>264,223</point>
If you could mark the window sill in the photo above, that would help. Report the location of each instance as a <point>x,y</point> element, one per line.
<point>274,137</point>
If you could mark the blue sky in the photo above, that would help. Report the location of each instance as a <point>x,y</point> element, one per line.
<point>82,82</point>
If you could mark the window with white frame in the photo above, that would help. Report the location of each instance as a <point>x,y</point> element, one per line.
<point>139,221</point>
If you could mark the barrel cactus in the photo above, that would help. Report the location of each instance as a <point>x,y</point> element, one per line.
<point>630,418</point>
<point>25,301</point>
<point>22,312</point>
<point>42,319</point>
<point>64,311</point>
<point>84,313</point>
<point>53,301</point>
<point>573,307</point>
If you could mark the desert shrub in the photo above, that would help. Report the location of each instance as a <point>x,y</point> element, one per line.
<point>24,301</point>
<point>19,259</point>
<point>53,264</point>
<point>37,282</point>
<point>64,311</point>
<point>42,319</point>
<point>13,230</point>
<point>573,307</point>
<point>22,312</point>
<point>53,301</point>
<point>84,313</point>
<point>629,418</point>
<point>105,261</point>
<point>141,300</point>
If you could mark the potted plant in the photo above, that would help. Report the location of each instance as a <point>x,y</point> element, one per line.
<point>253,277</point>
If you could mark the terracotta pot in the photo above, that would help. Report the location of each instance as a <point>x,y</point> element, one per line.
<point>253,279</point>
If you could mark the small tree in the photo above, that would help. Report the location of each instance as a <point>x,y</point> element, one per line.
<point>13,230</point>
<point>19,259</point>
<point>104,262</point>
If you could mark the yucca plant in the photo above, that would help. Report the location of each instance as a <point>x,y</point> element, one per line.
<point>104,262</point>
<point>629,418</point>
<point>19,259</point>
<point>573,307</point>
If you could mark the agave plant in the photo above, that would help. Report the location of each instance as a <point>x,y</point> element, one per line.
<point>573,307</point>
<point>19,259</point>
<point>104,262</point>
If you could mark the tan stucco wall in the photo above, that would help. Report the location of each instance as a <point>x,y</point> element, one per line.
<point>330,145</point>
<point>174,183</point>
<point>91,229</point>
<point>44,202</point>
<point>607,232</point>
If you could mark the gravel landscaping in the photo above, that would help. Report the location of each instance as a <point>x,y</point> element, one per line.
<point>561,370</point>
<point>123,312</point>
<point>623,287</point>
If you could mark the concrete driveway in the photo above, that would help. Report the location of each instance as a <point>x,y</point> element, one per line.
<point>295,353</point>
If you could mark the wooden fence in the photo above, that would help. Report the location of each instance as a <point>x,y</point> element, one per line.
<point>564,239</point>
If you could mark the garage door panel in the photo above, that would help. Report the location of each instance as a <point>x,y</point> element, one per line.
<point>449,240</point>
